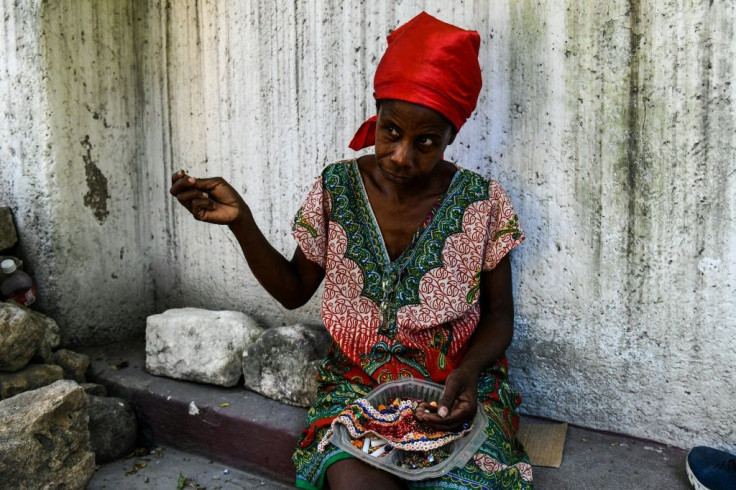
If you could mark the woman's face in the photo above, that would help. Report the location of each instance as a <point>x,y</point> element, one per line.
<point>410,141</point>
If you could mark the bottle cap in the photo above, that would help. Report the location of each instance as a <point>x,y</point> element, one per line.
<point>8,266</point>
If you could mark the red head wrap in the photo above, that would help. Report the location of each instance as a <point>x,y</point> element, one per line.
<point>430,63</point>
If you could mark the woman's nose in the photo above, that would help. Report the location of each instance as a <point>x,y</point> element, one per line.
<point>402,154</point>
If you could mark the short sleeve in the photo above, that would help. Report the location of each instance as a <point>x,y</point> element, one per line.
<point>309,227</point>
<point>504,231</point>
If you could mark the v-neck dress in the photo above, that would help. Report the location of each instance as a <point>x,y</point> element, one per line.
<point>410,317</point>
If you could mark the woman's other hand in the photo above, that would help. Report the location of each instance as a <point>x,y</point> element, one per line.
<point>458,404</point>
<point>212,200</point>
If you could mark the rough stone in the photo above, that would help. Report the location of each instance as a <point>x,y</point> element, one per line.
<point>199,345</point>
<point>73,364</point>
<point>94,389</point>
<point>282,363</point>
<point>44,439</point>
<point>8,236</point>
<point>20,336</point>
<point>51,336</point>
<point>112,427</point>
<point>29,378</point>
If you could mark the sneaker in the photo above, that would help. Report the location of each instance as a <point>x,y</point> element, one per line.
<point>711,469</point>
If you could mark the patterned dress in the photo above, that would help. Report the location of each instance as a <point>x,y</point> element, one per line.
<point>410,317</point>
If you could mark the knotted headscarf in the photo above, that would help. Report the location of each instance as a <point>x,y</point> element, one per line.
<point>430,63</point>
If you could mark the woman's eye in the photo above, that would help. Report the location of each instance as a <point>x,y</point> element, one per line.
<point>426,141</point>
<point>392,131</point>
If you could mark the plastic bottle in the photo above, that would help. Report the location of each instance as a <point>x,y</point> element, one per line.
<point>17,285</point>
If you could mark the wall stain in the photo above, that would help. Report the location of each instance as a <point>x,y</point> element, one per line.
<point>635,161</point>
<point>97,194</point>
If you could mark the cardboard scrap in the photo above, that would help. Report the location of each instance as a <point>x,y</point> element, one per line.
<point>544,443</point>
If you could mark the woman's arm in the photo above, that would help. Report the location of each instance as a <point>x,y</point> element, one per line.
<point>213,200</point>
<point>492,336</point>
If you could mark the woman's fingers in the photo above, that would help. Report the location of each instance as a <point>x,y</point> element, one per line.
<point>200,208</point>
<point>181,183</point>
<point>177,175</point>
<point>210,199</point>
<point>182,186</point>
<point>453,421</point>
<point>449,396</point>
<point>185,197</point>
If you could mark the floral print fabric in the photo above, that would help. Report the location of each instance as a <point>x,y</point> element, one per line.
<point>410,317</point>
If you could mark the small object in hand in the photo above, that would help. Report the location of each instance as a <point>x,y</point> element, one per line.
<point>433,404</point>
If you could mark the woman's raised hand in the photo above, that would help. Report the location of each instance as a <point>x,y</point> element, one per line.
<point>212,200</point>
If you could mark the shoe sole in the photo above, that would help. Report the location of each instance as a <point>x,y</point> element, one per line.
<point>691,476</point>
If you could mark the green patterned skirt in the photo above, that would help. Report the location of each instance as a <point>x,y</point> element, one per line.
<point>500,463</point>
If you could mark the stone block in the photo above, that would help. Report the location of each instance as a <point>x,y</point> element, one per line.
<point>51,336</point>
<point>20,336</point>
<point>282,363</point>
<point>8,235</point>
<point>44,439</point>
<point>112,428</point>
<point>31,377</point>
<point>199,345</point>
<point>73,364</point>
<point>94,389</point>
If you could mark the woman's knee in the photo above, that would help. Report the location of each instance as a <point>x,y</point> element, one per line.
<point>352,474</point>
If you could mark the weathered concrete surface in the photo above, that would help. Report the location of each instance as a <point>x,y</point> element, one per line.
<point>625,288</point>
<point>25,138</point>
<point>282,363</point>
<point>44,439</point>
<point>70,158</point>
<point>164,466</point>
<point>8,235</point>
<point>611,126</point>
<point>199,345</point>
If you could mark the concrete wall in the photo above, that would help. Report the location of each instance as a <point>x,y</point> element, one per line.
<point>611,125</point>
<point>72,160</point>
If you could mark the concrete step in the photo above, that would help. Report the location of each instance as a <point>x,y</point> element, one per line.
<point>230,425</point>
<point>248,432</point>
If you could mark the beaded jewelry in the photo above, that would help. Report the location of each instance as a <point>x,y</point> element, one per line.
<point>396,424</point>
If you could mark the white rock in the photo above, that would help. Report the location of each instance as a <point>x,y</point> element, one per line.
<point>199,345</point>
<point>193,409</point>
<point>282,364</point>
